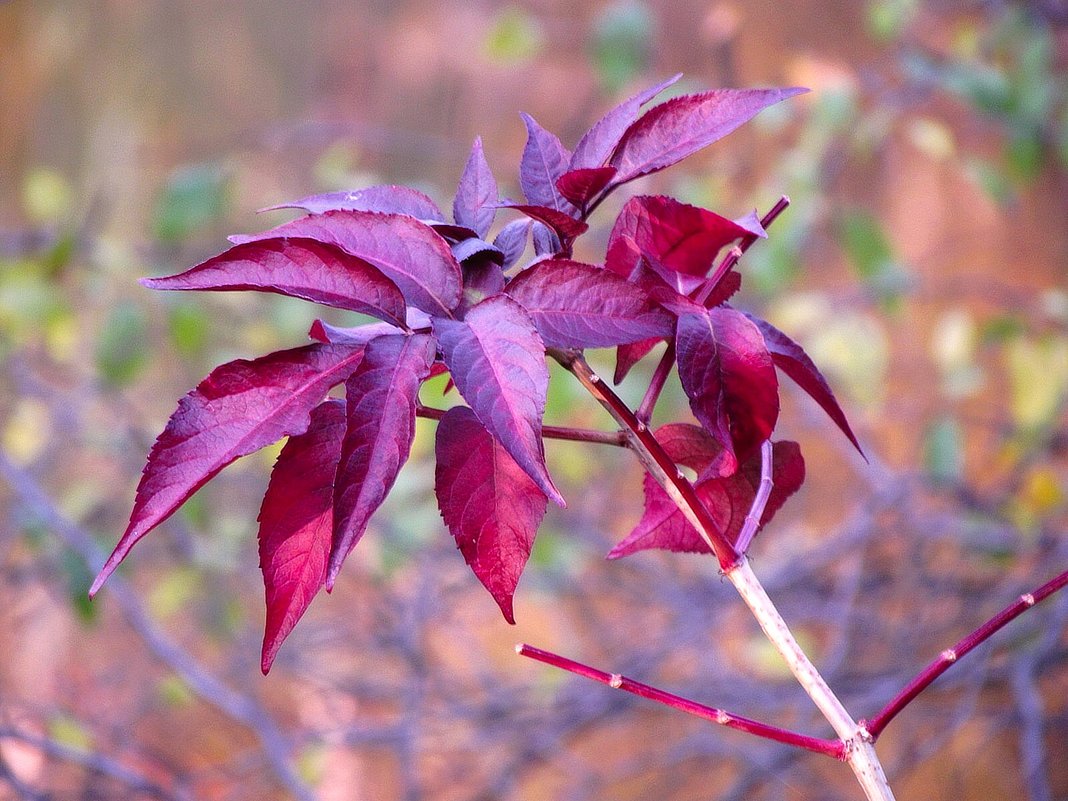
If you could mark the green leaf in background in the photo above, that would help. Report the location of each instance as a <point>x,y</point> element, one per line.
<point>78,580</point>
<point>943,450</point>
<point>1038,380</point>
<point>189,325</point>
<point>121,349</point>
<point>887,19</point>
<point>193,197</point>
<point>871,255</point>
<point>46,196</point>
<point>622,43</point>
<point>514,37</point>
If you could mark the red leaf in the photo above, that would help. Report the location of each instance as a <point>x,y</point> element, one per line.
<point>727,286</point>
<point>563,225</point>
<point>792,360</point>
<point>729,377</point>
<point>497,360</point>
<point>512,241</point>
<point>355,337</point>
<point>728,500</point>
<point>483,278</point>
<point>580,185</point>
<point>597,144</point>
<point>491,506</point>
<point>387,198</point>
<point>300,268</point>
<point>679,127</point>
<point>576,305</point>
<point>680,241</point>
<point>629,355</point>
<point>691,446</point>
<point>544,160</point>
<point>410,254</point>
<point>297,523</point>
<point>381,398</point>
<point>476,195</point>
<point>241,407</point>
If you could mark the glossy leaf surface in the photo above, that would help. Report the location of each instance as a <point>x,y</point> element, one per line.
<point>476,195</point>
<point>544,160</point>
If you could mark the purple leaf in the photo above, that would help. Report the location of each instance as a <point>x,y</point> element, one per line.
<point>597,144</point>
<point>297,523</point>
<point>410,254</point>
<point>483,278</point>
<point>580,185</point>
<point>546,242</point>
<point>300,268</point>
<point>544,160</point>
<point>677,128</point>
<point>576,305</point>
<point>792,360</point>
<point>452,233</point>
<point>497,360</point>
<point>729,378</point>
<point>566,227</point>
<point>381,398</point>
<point>512,241</point>
<point>476,195</point>
<point>387,198</point>
<point>476,247</point>
<point>241,407</point>
<point>491,506</point>
<point>629,355</point>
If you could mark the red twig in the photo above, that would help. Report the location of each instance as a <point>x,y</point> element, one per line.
<point>832,748</point>
<point>950,656</point>
<point>756,511</point>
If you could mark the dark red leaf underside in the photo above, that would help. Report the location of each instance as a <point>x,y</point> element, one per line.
<point>544,160</point>
<point>497,360</point>
<point>725,289</point>
<point>241,407</point>
<point>410,254</point>
<point>297,523</point>
<point>300,268</point>
<point>483,278</point>
<point>563,225</point>
<point>576,305</point>
<point>792,360</point>
<point>629,355</point>
<point>476,195</point>
<point>729,378</point>
<point>580,186</point>
<point>381,396</point>
<point>677,128</point>
<point>470,248</point>
<point>490,505</point>
<point>597,144</point>
<point>391,199</point>
<point>512,240</point>
<point>356,337</point>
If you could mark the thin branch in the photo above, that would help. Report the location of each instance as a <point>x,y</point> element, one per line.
<point>656,384</point>
<point>950,656</point>
<point>617,438</point>
<point>832,748</point>
<point>756,511</point>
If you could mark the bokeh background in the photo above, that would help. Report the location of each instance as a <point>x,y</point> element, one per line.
<point>922,264</point>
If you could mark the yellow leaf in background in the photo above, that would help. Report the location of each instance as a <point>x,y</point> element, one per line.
<point>1042,490</point>
<point>174,692</point>
<point>933,138</point>
<point>26,433</point>
<point>70,732</point>
<point>173,592</point>
<point>953,349</point>
<point>46,195</point>
<point>1038,378</point>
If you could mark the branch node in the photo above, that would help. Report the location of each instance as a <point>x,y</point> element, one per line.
<point>1028,599</point>
<point>949,655</point>
<point>615,681</point>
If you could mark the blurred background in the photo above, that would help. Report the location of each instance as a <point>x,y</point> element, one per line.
<point>922,264</point>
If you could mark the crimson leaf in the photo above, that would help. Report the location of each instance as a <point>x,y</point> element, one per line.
<point>476,195</point>
<point>410,254</point>
<point>629,355</point>
<point>597,144</point>
<point>297,523</point>
<point>387,198</point>
<point>240,407</point>
<point>497,360</point>
<point>544,160</point>
<point>729,378</point>
<point>677,128</point>
<point>580,185</point>
<point>576,305</point>
<point>792,360</point>
<point>512,241</point>
<point>563,225</point>
<point>381,398</point>
<point>491,506</point>
<point>300,268</point>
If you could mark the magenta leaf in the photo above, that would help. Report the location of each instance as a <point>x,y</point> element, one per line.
<point>576,305</point>
<point>544,160</point>
<point>409,253</point>
<point>729,378</point>
<point>489,503</point>
<point>497,360</point>
<point>566,227</point>
<point>581,185</point>
<point>297,523</point>
<point>388,198</point>
<point>300,268</point>
<point>476,195</point>
<point>725,289</point>
<point>483,278</point>
<point>677,128</point>
<point>629,355</point>
<point>512,241</point>
<point>382,395</point>
<point>241,407</point>
<point>792,360</point>
<point>597,144</point>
